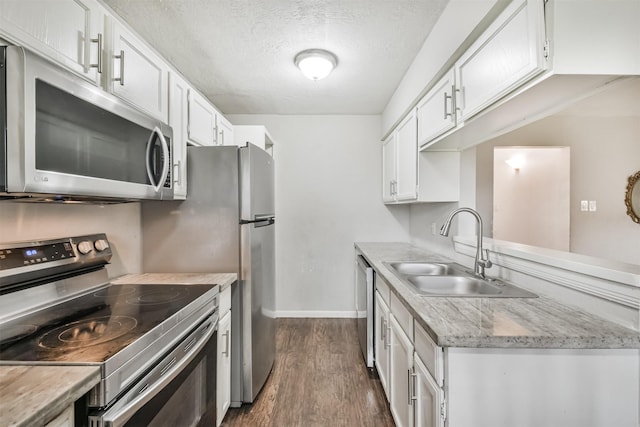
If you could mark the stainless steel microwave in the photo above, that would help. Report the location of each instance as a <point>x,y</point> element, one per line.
<point>67,138</point>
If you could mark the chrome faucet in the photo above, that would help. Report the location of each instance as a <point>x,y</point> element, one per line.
<point>482,258</point>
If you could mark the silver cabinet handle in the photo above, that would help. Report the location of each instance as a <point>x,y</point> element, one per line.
<point>98,65</point>
<point>178,175</point>
<point>121,58</point>
<point>446,114</point>
<point>221,136</point>
<point>383,331</point>
<point>226,344</point>
<point>411,386</point>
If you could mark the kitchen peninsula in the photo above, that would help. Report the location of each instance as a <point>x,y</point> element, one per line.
<point>545,358</point>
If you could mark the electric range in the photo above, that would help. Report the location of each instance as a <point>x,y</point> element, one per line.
<point>57,307</point>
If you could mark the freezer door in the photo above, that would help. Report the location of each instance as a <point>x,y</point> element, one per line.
<point>257,280</point>
<point>256,183</point>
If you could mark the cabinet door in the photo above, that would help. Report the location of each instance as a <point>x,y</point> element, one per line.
<point>436,111</point>
<point>381,341</point>
<point>202,120</point>
<point>407,159</point>
<point>178,89</point>
<point>225,131</point>
<point>401,371</point>
<point>389,168</point>
<point>66,31</point>
<point>139,76</point>
<point>223,378</point>
<point>430,410</point>
<point>508,54</point>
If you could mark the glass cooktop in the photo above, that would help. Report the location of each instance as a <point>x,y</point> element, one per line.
<point>94,327</point>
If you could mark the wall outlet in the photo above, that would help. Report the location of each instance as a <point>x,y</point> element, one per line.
<point>592,205</point>
<point>584,205</point>
<point>434,228</point>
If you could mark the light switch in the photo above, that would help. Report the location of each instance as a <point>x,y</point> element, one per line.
<point>592,205</point>
<point>584,205</point>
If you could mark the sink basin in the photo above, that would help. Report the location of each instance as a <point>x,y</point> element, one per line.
<point>424,268</point>
<point>447,279</point>
<point>453,285</point>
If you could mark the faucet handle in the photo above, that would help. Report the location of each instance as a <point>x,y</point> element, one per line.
<point>486,262</point>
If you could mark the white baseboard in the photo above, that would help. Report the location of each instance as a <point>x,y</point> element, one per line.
<point>316,314</point>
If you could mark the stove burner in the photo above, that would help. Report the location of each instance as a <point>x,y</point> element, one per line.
<point>88,332</point>
<point>169,294</point>
<point>11,334</point>
<point>121,292</point>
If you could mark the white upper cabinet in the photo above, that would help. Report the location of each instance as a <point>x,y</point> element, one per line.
<point>436,110</point>
<point>407,159</point>
<point>399,162</point>
<point>70,32</point>
<point>255,134</point>
<point>225,131</point>
<point>138,75</point>
<point>389,168</point>
<point>178,89</point>
<point>505,56</point>
<point>202,127</point>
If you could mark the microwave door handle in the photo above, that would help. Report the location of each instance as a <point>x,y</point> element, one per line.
<point>165,164</point>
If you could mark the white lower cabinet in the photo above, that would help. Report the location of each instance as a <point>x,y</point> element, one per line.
<point>401,376</point>
<point>223,371</point>
<point>381,337</point>
<point>430,409</point>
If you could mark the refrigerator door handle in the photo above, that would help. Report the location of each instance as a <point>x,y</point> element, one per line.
<point>260,220</point>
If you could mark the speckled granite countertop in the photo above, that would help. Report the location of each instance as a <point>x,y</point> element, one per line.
<point>35,395</point>
<point>222,279</point>
<point>495,322</point>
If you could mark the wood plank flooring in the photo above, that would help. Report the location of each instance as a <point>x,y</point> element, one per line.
<point>318,379</point>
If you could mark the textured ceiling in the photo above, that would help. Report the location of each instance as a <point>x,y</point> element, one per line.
<point>239,53</point>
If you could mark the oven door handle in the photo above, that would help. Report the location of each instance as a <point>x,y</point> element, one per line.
<point>119,416</point>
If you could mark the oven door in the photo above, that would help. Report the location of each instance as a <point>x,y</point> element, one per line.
<point>179,390</point>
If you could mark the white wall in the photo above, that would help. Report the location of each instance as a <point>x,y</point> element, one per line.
<point>121,223</point>
<point>604,152</point>
<point>328,196</point>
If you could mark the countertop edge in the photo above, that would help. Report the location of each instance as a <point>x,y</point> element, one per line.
<point>224,280</point>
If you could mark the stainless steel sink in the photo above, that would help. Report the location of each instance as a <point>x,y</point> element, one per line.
<point>452,285</point>
<point>424,268</point>
<point>452,280</point>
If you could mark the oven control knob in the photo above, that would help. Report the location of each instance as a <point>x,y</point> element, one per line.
<point>85,247</point>
<point>101,245</point>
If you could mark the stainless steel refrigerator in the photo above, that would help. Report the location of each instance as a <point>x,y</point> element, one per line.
<point>226,224</point>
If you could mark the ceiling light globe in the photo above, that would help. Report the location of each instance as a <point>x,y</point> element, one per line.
<point>316,64</point>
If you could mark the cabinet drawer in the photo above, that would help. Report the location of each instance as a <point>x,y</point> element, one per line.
<point>382,288</point>
<point>402,315</point>
<point>429,352</point>
<point>225,301</point>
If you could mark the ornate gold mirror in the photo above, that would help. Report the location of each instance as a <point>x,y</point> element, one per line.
<point>632,197</point>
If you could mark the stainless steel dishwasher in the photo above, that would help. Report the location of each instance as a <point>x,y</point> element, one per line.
<point>364,308</point>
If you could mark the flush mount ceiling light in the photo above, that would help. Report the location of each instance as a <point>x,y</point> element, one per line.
<point>316,64</point>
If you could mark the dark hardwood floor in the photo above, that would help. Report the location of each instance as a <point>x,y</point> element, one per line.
<point>318,379</point>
